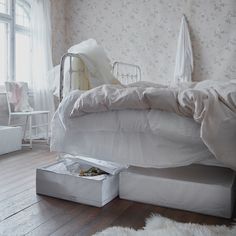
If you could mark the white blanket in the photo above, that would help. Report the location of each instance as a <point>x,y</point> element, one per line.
<point>212,104</point>
<point>146,138</point>
<point>97,65</point>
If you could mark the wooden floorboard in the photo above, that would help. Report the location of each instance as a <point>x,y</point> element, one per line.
<point>23,212</point>
<point>59,220</point>
<point>104,218</point>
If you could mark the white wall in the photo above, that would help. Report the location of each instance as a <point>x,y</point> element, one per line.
<point>145,32</point>
<point>58,29</point>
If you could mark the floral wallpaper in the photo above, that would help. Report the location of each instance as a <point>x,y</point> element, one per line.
<point>58,29</point>
<point>145,32</point>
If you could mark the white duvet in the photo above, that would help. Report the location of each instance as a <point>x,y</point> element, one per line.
<point>211,104</point>
<point>147,138</point>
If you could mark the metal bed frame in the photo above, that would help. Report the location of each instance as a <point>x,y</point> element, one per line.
<point>124,72</point>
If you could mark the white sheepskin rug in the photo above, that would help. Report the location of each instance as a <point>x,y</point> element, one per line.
<point>161,226</point>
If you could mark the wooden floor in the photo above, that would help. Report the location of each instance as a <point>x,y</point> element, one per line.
<point>22,212</point>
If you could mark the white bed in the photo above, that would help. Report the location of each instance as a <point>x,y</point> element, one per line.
<point>149,138</point>
<point>146,125</point>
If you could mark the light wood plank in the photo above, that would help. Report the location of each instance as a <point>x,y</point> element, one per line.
<point>93,220</point>
<point>58,221</point>
<point>18,203</point>
<point>30,218</point>
<point>23,171</point>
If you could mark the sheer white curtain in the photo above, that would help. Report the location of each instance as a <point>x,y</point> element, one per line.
<point>41,57</point>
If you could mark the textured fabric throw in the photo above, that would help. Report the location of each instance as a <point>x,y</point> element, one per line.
<point>161,226</point>
<point>18,96</point>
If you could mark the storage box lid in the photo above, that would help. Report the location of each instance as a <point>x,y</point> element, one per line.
<point>193,173</point>
<point>107,166</point>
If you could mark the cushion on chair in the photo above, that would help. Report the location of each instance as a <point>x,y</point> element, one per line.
<point>17,93</point>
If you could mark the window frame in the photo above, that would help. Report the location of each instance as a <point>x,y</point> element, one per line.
<point>10,19</point>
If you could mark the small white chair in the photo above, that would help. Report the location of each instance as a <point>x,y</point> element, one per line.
<point>27,114</point>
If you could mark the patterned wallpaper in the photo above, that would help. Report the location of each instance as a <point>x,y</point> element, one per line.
<point>145,32</point>
<point>58,29</point>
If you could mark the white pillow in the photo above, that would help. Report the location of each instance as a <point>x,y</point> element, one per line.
<point>96,61</point>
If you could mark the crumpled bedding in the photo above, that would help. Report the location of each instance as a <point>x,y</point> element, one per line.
<point>145,138</point>
<point>210,103</point>
<point>92,69</point>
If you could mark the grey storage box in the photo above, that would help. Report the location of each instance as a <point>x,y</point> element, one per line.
<point>203,189</point>
<point>11,138</point>
<point>95,191</point>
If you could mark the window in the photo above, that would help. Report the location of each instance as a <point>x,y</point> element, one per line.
<point>4,6</point>
<point>15,40</point>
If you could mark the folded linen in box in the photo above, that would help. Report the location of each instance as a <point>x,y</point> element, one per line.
<point>58,181</point>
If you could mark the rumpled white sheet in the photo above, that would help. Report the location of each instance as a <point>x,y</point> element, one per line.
<point>210,103</point>
<point>146,138</point>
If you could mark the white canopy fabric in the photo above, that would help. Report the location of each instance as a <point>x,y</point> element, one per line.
<point>184,55</point>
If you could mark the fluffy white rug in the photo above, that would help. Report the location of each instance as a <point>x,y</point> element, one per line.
<point>161,226</point>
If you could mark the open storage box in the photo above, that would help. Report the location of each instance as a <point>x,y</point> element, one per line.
<point>57,181</point>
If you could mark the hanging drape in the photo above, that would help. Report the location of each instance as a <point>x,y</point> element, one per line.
<point>184,55</point>
<point>41,58</point>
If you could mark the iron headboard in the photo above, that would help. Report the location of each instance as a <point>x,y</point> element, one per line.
<point>120,71</point>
